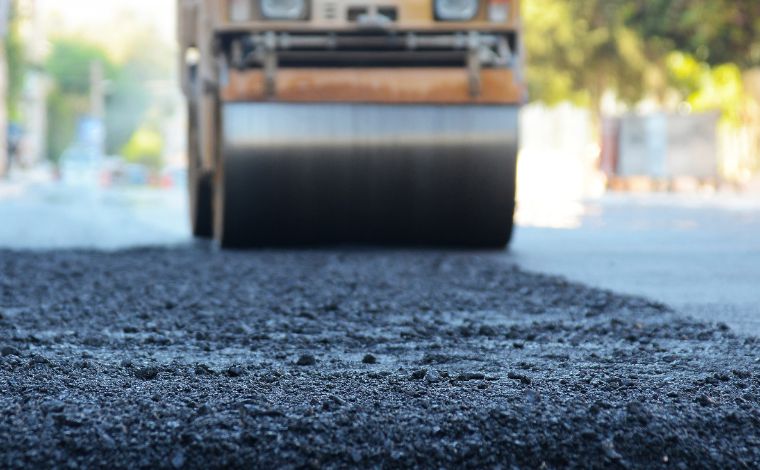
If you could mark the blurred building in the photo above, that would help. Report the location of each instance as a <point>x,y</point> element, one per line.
<point>666,146</point>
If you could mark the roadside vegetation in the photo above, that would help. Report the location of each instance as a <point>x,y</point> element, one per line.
<point>133,118</point>
<point>673,54</point>
<point>676,56</point>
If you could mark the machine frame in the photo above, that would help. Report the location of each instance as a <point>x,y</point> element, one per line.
<point>380,52</point>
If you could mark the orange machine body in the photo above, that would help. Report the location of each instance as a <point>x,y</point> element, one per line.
<point>374,51</point>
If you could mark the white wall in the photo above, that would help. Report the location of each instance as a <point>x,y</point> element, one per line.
<point>558,165</point>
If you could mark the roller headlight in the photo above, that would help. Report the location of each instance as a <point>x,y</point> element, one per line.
<point>456,10</point>
<point>283,9</point>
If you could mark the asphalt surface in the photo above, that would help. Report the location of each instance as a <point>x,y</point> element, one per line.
<point>193,358</point>
<point>698,253</point>
<point>117,355</point>
<point>36,213</point>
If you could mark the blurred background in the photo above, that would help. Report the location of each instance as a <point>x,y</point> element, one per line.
<point>629,96</point>
<point>87,81</point>
<point>93,120</point>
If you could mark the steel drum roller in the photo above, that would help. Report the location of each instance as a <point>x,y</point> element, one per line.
<point>296,174</point>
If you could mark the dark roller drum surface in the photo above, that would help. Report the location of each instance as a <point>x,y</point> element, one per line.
<point>296,174</point>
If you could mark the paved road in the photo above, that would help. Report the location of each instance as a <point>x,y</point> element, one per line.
<point>699,254</point>
<point>186,357</point>
<point>39,214</point>
<point>192,358</point>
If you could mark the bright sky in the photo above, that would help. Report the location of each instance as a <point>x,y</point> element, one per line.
<point>105,19</point>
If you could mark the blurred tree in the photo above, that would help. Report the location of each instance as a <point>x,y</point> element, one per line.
<point>131,93</point>
<point>716,31</point>
<point>11,78</point>
<point>16,63</point>
<point>69,68</point>
<point>578,50</point>
<point>675,52</point>
<point>129,89</point>
<point>146,148</point>
<point>708,88</point>
<point>61,124</point>
<point>69,65</point>
<point>127,101</point>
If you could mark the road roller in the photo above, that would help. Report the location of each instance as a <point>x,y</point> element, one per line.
<point>381,122</point>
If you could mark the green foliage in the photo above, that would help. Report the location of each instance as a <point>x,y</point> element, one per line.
<point>62,124</point>
<point>145,147</point>
<point>14,53</point>
<point>126,105</point>
<point>579,49</point>
<point>553,61</point>
<point>715,31</point>
<point>129,97</point>
<point>69,67</point>
<point>70,62</point>
<point>708,88</point>
<point>671,52</point>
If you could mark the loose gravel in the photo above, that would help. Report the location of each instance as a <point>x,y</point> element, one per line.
<point>191,358</point>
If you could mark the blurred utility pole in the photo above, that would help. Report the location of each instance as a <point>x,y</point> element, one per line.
<point>5,10</point>
<point>97,90</point>
<point>98,103</point>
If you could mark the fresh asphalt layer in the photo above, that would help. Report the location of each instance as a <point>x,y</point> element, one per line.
<point>699,254</point>
<point>194,358</point>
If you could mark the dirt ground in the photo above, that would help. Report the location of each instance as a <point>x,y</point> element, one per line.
<point>192,358</point>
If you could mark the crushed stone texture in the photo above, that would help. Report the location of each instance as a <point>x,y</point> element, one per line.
<point>193,358</point>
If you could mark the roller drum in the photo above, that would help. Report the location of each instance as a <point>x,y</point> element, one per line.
<point>322,174</point>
